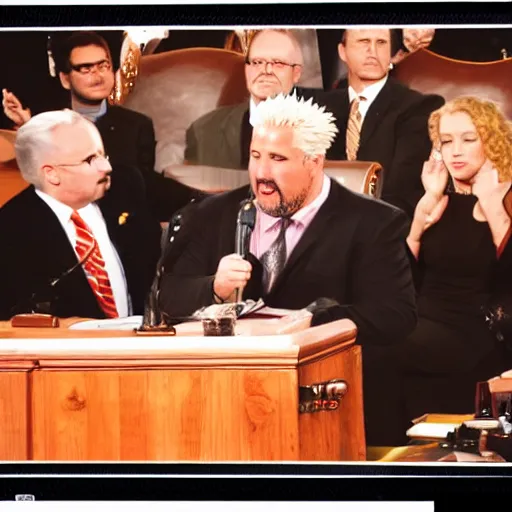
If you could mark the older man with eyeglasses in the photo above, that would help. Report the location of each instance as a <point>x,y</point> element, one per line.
<point>74,243</point>
<point>222,137</point>
<point>84,66</point>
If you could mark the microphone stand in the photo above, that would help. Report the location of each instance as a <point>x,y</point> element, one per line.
<point>154,321</point>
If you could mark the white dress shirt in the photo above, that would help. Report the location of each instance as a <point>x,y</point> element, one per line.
<point>91,214</point>
<point>369,93</point>
<point>253,116</point>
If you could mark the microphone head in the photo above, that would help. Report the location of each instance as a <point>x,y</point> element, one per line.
<point>247,213</point>
<point>245,222</point>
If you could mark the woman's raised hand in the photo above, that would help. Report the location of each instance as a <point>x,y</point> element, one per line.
<point>487,187</point>
<point>434,175</point>
<point>431,206</point>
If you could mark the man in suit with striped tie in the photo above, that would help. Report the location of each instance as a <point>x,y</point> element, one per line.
<point>380,119</point>
<point>78,241</point>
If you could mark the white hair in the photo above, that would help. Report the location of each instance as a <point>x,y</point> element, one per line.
<point>314,129</point>
<point>35,139</point>
<point>297,55</point>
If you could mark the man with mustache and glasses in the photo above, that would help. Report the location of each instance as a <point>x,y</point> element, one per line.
<point>222,137</point>
<point>74,243</point>
<point>312,239</point>
<point>380,119</point>
<point>84,66</point>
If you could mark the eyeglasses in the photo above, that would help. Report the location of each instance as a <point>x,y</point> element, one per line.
<point>262,64</point>
<point>92,161</point>
<point>87,67</point>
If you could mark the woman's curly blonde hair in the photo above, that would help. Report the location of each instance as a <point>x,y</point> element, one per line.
<point>494,129</point>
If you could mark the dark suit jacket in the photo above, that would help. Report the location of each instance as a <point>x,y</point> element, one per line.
<point>394,133</point>
<point>35,250</point>
<point>353,251</point>
<point>128,137</point>
<point>215,138</point>
<point>129,140</point>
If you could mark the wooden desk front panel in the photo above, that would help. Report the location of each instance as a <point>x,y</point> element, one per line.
<point>14,414</point>
<point>165,414</point>
<point>339,434</point>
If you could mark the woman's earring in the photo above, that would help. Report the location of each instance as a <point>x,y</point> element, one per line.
<point>437,155</point>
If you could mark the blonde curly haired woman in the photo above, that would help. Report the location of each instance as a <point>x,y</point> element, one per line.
<point>460,239</point>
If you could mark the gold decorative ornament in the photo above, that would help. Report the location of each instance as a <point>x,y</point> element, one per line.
<point>239,40</point>
<point>126,75</point>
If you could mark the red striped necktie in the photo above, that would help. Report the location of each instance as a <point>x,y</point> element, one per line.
<point>94,266</point>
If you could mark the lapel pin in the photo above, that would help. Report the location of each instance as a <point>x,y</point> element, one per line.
<point>122,218</point>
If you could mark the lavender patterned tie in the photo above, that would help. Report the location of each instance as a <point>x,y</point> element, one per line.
<point>274,259</point>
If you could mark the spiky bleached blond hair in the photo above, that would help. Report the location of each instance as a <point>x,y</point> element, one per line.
<point>314,129</point>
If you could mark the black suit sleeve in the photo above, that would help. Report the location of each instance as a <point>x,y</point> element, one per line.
<point>383,304</point>
<point>16,288</point>
<point>402,184</point>
<point>189,266</point>
<point>146,146</point>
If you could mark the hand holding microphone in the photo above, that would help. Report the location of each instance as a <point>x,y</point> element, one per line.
<point>246,219</point>
<point>233,273</point>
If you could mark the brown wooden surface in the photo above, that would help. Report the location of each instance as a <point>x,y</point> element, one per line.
<point>165,415</point>
<point>14,413</point>
<point>184,398</point>
<point>500,385</point>
<point>11,181</point>
<point>336,336</point>
<point>63,331</point>
<point>338,434</point>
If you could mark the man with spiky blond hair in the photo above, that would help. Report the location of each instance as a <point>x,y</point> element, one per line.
<point>312,239</point>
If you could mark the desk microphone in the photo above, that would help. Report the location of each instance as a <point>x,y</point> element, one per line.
<point>154,320</point>
<point>79,263</point>
<point>45,307</point>
<point>245,222</point>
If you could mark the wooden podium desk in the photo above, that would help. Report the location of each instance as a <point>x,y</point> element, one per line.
<point>110,395</point>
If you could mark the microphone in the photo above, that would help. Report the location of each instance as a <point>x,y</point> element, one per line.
<point>154,321</point>
<point>245,222</point>
<point>79,263</point>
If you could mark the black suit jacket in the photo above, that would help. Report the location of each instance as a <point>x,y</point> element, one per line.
<point>35,250</point>
<point>128,137</point>
<point>129,140</point>
<point>394,133</point>
<point>353,252</point>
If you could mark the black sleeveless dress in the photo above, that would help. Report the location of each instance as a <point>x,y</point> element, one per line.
<point>452,348</point>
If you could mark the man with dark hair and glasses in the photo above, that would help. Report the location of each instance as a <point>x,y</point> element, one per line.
<point>75,242</point>
<point>222,137</point>
<point>85,69</point>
